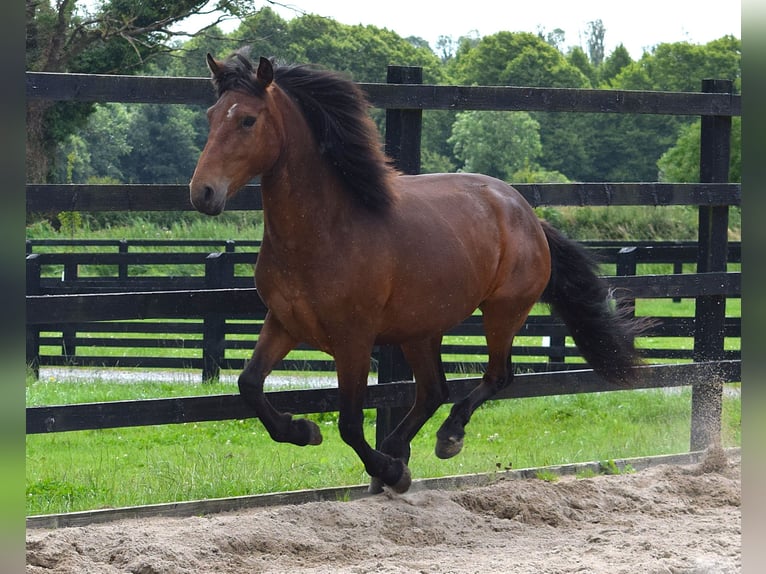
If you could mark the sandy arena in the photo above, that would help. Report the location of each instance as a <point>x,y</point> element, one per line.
<point>666,519</point>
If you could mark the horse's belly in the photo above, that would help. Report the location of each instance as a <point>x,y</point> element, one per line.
<point>424,318</point>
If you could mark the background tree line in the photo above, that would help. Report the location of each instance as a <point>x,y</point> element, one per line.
<point>99,143</point>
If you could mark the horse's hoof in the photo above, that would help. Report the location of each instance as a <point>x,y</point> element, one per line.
<point>403,484</point>
<point>449,447</point>
<point>376,486</point>
<point>308,432</point>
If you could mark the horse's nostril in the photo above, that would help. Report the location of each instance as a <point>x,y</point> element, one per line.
<point>209,193</point>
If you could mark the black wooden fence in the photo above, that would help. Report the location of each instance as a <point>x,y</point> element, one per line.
<point>213,300</point>
<point>204,344</point>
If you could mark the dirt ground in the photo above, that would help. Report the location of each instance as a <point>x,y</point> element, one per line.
<point>666,519</point>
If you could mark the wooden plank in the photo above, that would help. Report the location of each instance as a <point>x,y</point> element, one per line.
<point>211,244</point>
<point>172,363</point>
<point>606,194</point>
<point>208,506</point>
<point>678,285</point>
<point>119,88</point>
<point>53,198</point>
<point>399,394</point>
<point>54,309</point>
<point>198,91</point>
<point>135,258</point>
<point>513,98</point>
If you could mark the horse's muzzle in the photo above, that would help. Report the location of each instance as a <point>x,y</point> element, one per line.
<point>206,199</point>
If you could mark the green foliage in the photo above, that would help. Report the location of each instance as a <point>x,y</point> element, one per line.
<point>495,143</point>
<point>613,65</point>
<point>681,162</point>
<point>114,36</point>
<point>531,173</point>
<point>608,467</point>
<point>515,59</point>
<point>362,51</point>
<point>547,476</point>
<point>160,144</point>
<point>579,60</point>
<point>97,149</point>
<point>625,222</point>
<point>164,145</point>
<point>681,66</point>
<point>71,222</point>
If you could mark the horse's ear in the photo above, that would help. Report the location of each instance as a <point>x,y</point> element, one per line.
<point>213,64</point>
<point>265,73</point>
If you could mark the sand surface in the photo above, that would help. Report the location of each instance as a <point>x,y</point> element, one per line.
<point>666,519</point>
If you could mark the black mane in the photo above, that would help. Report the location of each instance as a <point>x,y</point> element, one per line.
<point>335,109</point>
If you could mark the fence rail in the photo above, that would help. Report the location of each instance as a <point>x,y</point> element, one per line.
<point>53,198</point>
<point>403,98</point>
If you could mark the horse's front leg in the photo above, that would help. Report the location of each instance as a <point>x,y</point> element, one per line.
<point>425,359</point>
<point>273,344</point>
<point>353,369</point>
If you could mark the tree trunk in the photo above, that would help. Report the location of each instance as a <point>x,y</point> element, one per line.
<point>38,152</point>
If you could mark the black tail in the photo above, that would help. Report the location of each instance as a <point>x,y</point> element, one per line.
<point>601,327</point>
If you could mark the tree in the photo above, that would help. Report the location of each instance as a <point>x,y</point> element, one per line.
<point>164,145</point>
<point>112,36</point>
<point>614,64</point>
<point>513,59</point>
<point>579,60</point>
<point>681,66</point>
<point>555,38</point>
<point>97,150</point>
<point>445,47</point>
<point>596,33</point>
<point>627,147</point>
<point>681,162</point>
<point>495,143</point>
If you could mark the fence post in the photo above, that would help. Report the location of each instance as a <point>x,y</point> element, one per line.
<point>213,324</point>
<point>627,265</point>
<point>33,274</point>
<point>403,132</point>
<point>710,310</point>
<point>69,331</point>
<point>122,268</point>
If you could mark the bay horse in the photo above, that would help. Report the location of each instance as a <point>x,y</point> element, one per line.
<point>355,254</point>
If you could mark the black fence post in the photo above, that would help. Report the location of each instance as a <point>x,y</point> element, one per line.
<point>69,332</point>
<point>214,324</point>
<point>403,132</point>
<point>627,265</point>
<point>122,268</point>
<point>710,310</point>
<point>33,274</point>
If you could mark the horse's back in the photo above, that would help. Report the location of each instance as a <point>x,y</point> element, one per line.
<point>479,212</point>
<point>458,240</point>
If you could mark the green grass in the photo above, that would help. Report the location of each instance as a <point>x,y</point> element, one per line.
<point>143,465</point>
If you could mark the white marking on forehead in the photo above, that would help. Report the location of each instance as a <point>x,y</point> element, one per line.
<point>230,113</point>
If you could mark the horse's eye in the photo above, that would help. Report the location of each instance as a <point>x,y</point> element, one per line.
<point>248,121</point>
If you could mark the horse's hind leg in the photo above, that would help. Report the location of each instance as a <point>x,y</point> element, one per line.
<point>501,323</point>
<point>272,346</point>
<point>431,391</point>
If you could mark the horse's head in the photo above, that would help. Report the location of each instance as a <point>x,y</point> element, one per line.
<point>244,138</point>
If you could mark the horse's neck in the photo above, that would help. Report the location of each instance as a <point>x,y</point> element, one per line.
<point>303,197</point>
<point>303,201</point>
